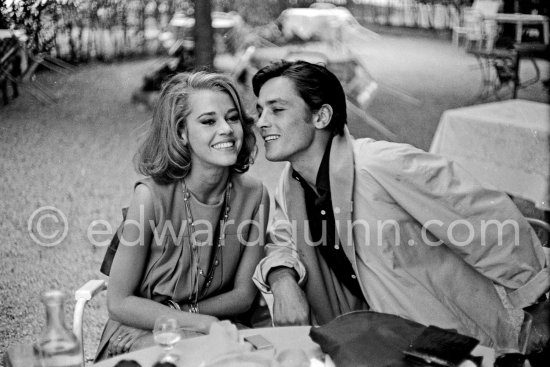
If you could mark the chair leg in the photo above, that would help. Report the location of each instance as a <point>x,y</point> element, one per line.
<point>15,89</point>
<point>515,80</point>
<point>455,39</point>
<point>4,87</point>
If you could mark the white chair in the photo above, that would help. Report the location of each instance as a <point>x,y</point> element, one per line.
<point>95,286</point>
<point>543,231</point>
<point>82,296</point>
<point>476,24</point>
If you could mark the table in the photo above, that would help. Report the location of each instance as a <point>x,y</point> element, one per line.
<point>505,145</point>
<point>193,350</point>
<point>308,22</point>
<point>519,20</point>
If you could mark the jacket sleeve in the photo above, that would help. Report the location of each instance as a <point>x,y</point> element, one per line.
<point>280,245</point>
<point>483,226</point>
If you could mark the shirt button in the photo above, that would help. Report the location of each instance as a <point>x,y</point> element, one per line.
<point>323,212</point>
<point>353,276</point>
<point>336,247</point>
<point>216,262</point>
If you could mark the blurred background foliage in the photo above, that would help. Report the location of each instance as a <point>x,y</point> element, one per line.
<point>79,30</point>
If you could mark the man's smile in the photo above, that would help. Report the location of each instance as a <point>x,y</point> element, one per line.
<point>272,137</point>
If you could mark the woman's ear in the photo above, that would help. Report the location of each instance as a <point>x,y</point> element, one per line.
<point>322,117</point>
<point>183,135</point>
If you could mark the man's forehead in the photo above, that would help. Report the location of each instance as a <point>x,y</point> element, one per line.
<point>277,90</point>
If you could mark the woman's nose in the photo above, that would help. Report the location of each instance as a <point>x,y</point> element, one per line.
<point>225,127</point>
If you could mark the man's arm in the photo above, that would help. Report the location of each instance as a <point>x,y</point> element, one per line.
<point>280,274</point>
<point>290,306</point>
<point>501,244</point>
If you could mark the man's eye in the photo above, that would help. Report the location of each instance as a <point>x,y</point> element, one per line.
<point>277,110</point>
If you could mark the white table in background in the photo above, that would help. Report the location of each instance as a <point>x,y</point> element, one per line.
<point>519,20</point>
<point>505,145</point>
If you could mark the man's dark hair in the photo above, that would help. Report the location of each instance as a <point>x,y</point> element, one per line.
<point>314,83</point>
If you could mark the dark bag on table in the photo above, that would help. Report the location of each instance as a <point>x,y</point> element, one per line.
<point>372,339</point>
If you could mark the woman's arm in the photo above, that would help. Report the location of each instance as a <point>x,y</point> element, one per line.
<point>127,271</point>
<point>239,299</point>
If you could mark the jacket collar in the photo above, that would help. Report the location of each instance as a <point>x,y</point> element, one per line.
<point>341,183</point>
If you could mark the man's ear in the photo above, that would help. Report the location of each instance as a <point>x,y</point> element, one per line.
<point>322,117</point>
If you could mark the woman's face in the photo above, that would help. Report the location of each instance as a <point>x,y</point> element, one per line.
<point>214,129</point>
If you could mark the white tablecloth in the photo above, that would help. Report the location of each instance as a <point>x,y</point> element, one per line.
<point>193,351</point>
<point>504,144</point>
<point>308,22</point>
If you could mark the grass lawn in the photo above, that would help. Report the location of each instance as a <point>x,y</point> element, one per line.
<point>74,155</point>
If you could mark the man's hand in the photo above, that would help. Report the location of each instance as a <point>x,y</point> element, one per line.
<point>540,329</point>
<point>290,305</point>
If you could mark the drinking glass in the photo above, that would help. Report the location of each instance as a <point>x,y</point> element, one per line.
<point>525,332</point>
<point>517,359</point>
<point>166,333</point>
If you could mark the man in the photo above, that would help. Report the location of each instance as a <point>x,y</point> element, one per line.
<point>369,224</point>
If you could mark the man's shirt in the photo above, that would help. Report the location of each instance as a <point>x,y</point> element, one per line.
<point>322,226</point>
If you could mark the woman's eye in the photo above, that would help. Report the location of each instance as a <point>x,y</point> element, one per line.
<point>233,118</point>
<point>208,122</point>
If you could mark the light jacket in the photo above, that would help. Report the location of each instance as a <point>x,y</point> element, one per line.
<point>392,204</point>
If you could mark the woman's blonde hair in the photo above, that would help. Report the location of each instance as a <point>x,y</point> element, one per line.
<point>164,155</point>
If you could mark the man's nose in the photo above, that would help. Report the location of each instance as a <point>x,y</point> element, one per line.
<point>261,121</point>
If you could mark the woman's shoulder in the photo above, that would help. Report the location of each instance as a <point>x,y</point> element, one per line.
<point>155,185</point>
<point>161,192</point>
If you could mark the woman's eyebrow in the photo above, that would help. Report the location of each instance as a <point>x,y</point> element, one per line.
<point>207,114</point>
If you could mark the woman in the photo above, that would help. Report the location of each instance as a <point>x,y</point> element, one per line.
<point>194,229</point>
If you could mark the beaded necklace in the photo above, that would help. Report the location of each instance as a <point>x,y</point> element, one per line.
<point>218,243</point>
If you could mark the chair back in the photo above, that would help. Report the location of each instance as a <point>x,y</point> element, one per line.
<point>487,7</point>
<point>543,232</point>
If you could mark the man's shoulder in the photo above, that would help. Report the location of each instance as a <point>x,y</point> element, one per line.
<point>373,154</point>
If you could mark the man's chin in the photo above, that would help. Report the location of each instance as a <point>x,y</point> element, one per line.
<point>274,158</point>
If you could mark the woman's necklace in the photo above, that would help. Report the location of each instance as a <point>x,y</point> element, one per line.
<point>218,242</point>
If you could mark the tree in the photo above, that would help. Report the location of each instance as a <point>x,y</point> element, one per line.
<point>204,35</point>
<point>37,18</point>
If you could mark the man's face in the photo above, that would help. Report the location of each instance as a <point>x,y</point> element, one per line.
<point>285,121</point>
